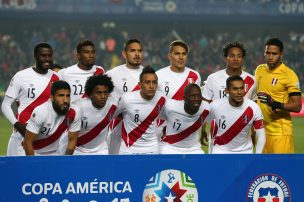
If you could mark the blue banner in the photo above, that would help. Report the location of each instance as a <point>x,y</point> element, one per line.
<point>150,178</point>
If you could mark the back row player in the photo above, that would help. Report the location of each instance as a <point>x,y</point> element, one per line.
<point>31,87</point>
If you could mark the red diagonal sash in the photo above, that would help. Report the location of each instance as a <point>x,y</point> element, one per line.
<point>94,132</point>
<point>117,120</point>
<point>249,82</point>
<point>191,78</point>
<point>137,87</point>
<point>136,133</point>
<point>98,71</point>
<point>25,115</point>
<point>171,139</point>
<point>236,128</point>
<point>69,117</point>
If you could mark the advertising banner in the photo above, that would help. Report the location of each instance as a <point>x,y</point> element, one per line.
<point>151,178</point>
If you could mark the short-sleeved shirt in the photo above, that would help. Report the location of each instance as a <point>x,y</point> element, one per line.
<point>31,89</point>
<point>182,130</point>
<point>216,84</point>
<point>139,122</point>
<point>230,130</point>
<point>93,135</point>
<point>77,78</point>
<point>124,80</point>
<point>49,127</point>
<point>172,84</point>
<point>278,83</point>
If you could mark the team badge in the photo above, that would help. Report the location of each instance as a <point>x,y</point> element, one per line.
<point>245,119</point>
<point>268,187</point>
<point>170,186</point>
<point>190,80</point>
<point>274,81</point>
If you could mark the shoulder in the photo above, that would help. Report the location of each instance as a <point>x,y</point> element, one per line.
<point>114,70</point>
<point>163,70</point>
<point>261,67</point>
<point>24,72</point>
<point>191,70</point>
<point>287,70</point>
<point>217,74</point>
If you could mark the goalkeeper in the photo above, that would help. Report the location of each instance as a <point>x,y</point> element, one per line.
<point>279,94</point>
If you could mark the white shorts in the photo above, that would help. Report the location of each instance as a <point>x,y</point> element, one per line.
<point>170,149</point>
<point>15,147</point>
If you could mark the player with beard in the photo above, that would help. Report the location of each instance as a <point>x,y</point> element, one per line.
<point>125,79</point>
<point>76,75</point>
<point>233,118</point>
<point>50,120</point>
<point>31,87</point>
<point>279,94</point>
<point>184,119</point>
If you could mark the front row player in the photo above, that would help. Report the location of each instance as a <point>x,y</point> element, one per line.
<point>139,110</point>
<point>184,119</point>
<point>96,113</point>
<point>234,118</point>
<point>50,120</point>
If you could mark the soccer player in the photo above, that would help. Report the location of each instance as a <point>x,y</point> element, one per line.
<point>76,75</point>
<point>50,120</point>
<point>233,119</point>
<point>174,78</point>
<point>125,78</point>
<point>140,110</point>
<point>31,87</point>
<point>234,54</point>
<point>96,113</point>
<point>184,119</point>
<point>279,94</point>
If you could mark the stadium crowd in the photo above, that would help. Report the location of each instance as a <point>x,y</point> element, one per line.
<point>205,55</point>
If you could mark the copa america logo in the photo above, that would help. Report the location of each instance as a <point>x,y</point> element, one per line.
<point>170,186</point>
<point>268,188</point>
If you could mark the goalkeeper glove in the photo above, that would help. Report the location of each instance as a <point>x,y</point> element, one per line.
<point>267,99</point>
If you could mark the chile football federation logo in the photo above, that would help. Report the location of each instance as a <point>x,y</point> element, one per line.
<point>268,188</point>
<point>170,186</point>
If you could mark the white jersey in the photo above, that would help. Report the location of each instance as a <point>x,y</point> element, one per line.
<point>77,78</point>
<point>182,130</point>
<point>92,138</point>
<point>50,126</point>
<point>31,89</point>
<point>124,79</point>
<point>139,122</point>
<point>232,125</point>
<point>172,84</point>
<point>216,84</point>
